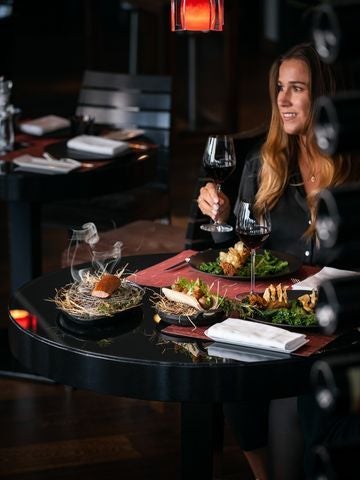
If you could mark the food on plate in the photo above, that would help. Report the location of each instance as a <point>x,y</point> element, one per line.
<point>106,286</point>
<point>190,301</point>
<point>236,262</point>
<point>275,306</point>
<point>187,298</point>
<point>273,297</point>
<point>235,258</point>
<point>308,301</point>
<point>112,296</point>
<point>195,293</point>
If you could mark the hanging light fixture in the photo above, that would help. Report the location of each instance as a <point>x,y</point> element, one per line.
<point>197,15</point>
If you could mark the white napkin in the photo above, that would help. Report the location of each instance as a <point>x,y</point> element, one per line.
<point>325,273</point>
<point>100,145</point>
<point>29,163</point>
<point>256,335</point>
<point>42,125</point>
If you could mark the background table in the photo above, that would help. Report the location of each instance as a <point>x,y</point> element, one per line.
<point>135,360</point>
<point>24,194</point>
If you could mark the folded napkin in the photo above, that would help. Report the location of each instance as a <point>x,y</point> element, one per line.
<point>256,335</point>
<point>29,163</point>
<point>42,125</point>
<point>326,273</point>
<point>100,145</point>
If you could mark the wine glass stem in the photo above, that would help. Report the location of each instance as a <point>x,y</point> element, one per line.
<point>252,271</point>
<point>218,189</point>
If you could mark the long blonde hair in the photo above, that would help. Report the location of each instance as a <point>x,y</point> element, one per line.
<point>280,151</point>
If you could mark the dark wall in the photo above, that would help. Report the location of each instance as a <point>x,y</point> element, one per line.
<point>50,43</point>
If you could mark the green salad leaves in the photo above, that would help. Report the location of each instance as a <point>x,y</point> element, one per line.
<point>265,264</point>
<point>295,316</point>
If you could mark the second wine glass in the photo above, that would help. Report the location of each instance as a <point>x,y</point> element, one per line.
<point>252,228</point>
<point>219,162</point>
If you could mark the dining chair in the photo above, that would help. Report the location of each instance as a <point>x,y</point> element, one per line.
<point>122,101</point>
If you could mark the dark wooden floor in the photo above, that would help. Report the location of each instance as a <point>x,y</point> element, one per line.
<point>53,432</point>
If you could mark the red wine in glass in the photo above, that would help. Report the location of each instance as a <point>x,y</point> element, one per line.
<point>219,174</point>
<point>254,239</point>
<point>219,162</point>
<point>252,228</point>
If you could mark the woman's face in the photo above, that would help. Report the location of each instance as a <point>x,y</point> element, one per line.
<point>293,98</point>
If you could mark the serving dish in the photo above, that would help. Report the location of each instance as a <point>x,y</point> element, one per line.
<point>207,317</point>
<point>211,255</point>
<point>292,295</point>
<point>78,306</point>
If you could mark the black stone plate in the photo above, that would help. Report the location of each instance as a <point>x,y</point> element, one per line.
<point>202,318</point>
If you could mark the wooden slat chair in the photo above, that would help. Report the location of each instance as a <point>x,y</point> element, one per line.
<point>245,142</point>
<point>124,101</point>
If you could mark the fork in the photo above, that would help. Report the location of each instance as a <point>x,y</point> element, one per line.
<point>181,264</point>
<point>295,280</point>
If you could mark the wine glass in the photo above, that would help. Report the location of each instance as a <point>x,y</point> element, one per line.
<point>253,228</point>
<point>219,162</point>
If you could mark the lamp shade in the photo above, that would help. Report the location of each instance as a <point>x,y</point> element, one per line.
<point>197,15</point>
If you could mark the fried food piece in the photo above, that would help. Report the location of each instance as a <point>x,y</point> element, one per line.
<point>228,268</point>
<point>276,297</point>
<point>270,294</point>
<point>235,256</point>
<point>257,300</point>
<point>308,301</point>
<point>106,286</point>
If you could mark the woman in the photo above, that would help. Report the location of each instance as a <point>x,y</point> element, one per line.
<point>290,170</point>
<point>286,174</point>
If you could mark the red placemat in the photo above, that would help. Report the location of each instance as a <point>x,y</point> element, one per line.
<point>157,276</point>
<point>316,342</point>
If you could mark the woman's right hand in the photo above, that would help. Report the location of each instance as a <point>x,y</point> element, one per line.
<point>213,203</point>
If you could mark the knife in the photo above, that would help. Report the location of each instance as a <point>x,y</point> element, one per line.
<point>181,264</point>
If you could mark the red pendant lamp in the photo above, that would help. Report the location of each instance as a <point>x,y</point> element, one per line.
<point>197,15</point>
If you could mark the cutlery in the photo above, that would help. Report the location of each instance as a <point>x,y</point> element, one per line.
<point>181,264</point>
<point>294,280</point>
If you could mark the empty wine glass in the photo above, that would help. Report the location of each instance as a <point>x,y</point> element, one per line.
<point>252,228</point>
<point>219,162</point>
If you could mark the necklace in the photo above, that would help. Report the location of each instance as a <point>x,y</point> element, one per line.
<point>308,169</point>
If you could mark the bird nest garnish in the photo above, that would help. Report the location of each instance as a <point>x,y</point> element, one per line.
<point>169,307</point>
<point>75,299</point>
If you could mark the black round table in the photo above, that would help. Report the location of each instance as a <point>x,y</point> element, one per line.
<point>136,360</point>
